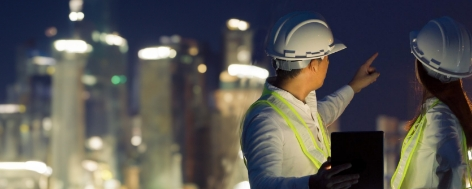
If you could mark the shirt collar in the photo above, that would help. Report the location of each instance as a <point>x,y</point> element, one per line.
<point>429,102</point>
<point>310,100</point>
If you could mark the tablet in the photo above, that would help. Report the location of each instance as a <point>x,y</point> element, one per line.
<point>364,150</point>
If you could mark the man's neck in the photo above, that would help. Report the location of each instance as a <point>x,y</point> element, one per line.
<point>295,87</point>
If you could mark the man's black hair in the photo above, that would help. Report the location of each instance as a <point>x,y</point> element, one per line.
<point>283,75</point>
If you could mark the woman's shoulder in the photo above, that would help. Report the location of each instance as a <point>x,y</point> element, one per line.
<point>440,112</point>
<point>441,121</point>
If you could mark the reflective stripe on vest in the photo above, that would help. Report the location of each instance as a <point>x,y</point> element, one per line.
<point>466,158</point>
<point>303,134</point>
<point>410,143</point>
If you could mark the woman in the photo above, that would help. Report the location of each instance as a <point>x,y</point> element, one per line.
<point>434,153</point>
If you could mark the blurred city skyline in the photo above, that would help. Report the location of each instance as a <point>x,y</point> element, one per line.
<point>365,27</point>
<point>151,93</point>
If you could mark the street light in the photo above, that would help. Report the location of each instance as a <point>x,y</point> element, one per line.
<point>193,51</point>
<point>136,140</point>
<point>76,16</point>
<point>12,108</point>
<point>43,61</point>
<point>247,71</point>
<point>202,68</point>
<point>236,24</point>
<point>72,46</point>
<point>95,143</point>
<point>113,39</point>
<point>156,53</point>
<point>89,80</point>
<point>90,165</point>
<point>34,166</point>
<point>47,124</point>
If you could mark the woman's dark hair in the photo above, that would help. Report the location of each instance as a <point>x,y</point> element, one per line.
<point>452,94</point>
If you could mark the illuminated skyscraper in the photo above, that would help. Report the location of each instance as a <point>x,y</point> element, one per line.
<point>238,42</point>
<point>102,106</point>
<point>33,90</point>
<point>241,84</point>
<point>67,138</point>
<point>172,109</point>
<point>25,121</point>
<point>105,79</point>
<point>156,115</point>
<point>103,72</point>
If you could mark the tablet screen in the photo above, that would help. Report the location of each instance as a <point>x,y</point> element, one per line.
<point>364,150</point>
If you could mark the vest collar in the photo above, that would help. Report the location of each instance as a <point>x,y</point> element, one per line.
<point>310,100</point>
<point>429,102</point>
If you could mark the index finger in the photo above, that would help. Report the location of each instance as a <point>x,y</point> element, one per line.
<point>371,59</point>
<point>337,169</point>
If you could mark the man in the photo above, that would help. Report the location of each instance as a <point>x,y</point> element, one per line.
<point>283,136</point>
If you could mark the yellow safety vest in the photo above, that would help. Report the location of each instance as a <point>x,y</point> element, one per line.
<point>304,136</point>
<point>409,145</point>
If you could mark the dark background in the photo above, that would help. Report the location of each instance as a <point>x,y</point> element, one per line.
<point>365,26</point>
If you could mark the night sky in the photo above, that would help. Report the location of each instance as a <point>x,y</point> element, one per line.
<point>365,27</point>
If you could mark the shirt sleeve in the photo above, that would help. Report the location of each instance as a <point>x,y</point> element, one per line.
<point>444,134</point>
<point>262,145</point>
<point>333,105</point>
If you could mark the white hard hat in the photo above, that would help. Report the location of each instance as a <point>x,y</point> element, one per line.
<point>299,37</point>
<point>443,46</point>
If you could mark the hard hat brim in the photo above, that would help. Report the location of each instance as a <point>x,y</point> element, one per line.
<point>337,46</point>
<point>417,53</point>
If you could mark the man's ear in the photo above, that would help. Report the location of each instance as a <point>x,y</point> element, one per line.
<point>314,65</point>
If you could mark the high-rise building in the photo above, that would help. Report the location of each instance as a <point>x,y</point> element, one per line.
<point>103,97</point>
<point>32,89</point>
<point>25,121</point>
<point>12,136</point>
<point>228,168</point>
<point>105,80</point>
<point>238,43</point>
<point>241,84</point>
<point>67,138</point>
<point>189,107</point>
<point>106,107</point>
<point>156,118</point>
<point>173,90</point>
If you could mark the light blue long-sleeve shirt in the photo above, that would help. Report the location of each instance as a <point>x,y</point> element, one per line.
<point>275,160</point>
<point>438,161</point>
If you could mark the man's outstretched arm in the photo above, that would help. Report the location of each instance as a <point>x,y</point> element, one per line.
<point>332,106</point>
